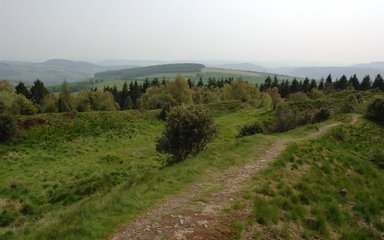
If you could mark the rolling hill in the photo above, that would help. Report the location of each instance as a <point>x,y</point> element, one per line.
<point>131,73</point>
<point>52,71</point>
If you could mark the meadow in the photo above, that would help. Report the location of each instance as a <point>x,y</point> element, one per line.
<point>83,175</point>
<point>91,172</point>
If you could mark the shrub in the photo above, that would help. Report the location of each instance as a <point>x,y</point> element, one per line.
<point>298,97</point>
<point>250,129</point>
<point>188,130</point>
<point>164,112</point>
<point>322,115</point>
<point>355,103</point>
<point>8,126</point>
<point>376,110</point>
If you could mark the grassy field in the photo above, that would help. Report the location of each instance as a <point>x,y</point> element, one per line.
<point>80,176</point>
<point>91,172</point>
<point>298,196</point>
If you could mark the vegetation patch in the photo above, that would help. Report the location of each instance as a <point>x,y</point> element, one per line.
<point>335,193</point>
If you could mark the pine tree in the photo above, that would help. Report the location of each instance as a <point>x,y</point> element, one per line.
<point>134,92</point>
<point>378,83</point>
<point>22,89</point>
<point>268,82</point>
<point>115,93</point>
<point>313,85</point>
<point>38,92</point>
<point>321,84</point>
<point>342,83</point>
<point>200,83</point>
<point>190,83</point>
<point>123,95</point>
<point>275,82</point>
<point>328,85</point>
<point>354,82</point>
<point>285,89</point>
<point>146,85</point>
<point>295,86</point>
<point>306,86</point>
<point>366,83</point>
<point>155,83</point>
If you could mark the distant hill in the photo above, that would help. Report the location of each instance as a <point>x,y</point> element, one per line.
<point>243,67</point>
<point>375,65</point>
<point>319,72</point>
<point>360,70</point>
<point>131,73</point>
<point>51,71</point>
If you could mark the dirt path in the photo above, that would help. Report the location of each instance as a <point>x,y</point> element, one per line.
<point>197,213</point>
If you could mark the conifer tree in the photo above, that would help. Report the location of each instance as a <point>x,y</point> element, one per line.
<point>38,92</point>
<point>342,83</point>
<point>378,83</point>
<point>366,83</point>
<point>354,82</point>
<point>22,89</point>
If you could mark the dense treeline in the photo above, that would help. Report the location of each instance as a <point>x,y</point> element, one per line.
<point>327,86</point>
<point>156,94</point>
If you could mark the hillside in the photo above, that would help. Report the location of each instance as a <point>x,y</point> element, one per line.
<point>51,71</point>
<point>127,74</point>
<point>83,175</point>
<point>337,72</point>
<point>194,72</point>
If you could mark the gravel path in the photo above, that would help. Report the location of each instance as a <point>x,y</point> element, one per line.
<point>198,214</point>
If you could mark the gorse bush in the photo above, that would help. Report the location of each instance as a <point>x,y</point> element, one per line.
<point>322,115</point>
<point>8,126</point>
<point>355,103</point>
<point>290,116</point>
<point>188,130</point>
<point>376,110</point>
<point>250,129</point>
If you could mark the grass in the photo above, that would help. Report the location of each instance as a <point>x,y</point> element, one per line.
<point>91,172</point>
<point>80,176</point>
<point>300,190</point>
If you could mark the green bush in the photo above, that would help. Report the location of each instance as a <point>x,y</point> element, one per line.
<point>250,129</point>
<point>188,130</point>
<point>8,126</point>
<point>355,103</point>
<point>164,112</point>
<point>322,115</point>
<point>290,116</point>
<point>376,110</point>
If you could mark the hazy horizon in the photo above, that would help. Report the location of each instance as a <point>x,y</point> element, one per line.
<point>313,32</point>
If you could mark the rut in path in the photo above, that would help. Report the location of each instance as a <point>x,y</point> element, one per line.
<point>187,216</point>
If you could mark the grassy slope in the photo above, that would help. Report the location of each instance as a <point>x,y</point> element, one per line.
<point>95,171</point>
<point>298,195</point>
<point>80,177</point>
<point>133,73</point>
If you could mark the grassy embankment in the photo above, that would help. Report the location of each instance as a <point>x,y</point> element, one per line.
<point>298,196</point>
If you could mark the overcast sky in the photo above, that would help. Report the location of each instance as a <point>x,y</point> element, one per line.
<point>315,31</point>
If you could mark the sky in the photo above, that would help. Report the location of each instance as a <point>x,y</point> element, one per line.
<point>314,31</point>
